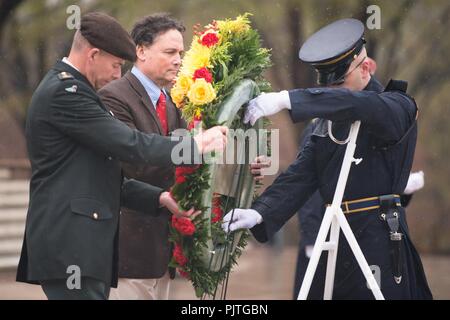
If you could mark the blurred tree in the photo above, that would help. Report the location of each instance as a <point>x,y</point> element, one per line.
<point>7,7</point>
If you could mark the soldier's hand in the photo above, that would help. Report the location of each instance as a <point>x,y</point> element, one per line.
<point>257,165</point>
<point>213,139</point>
<point>266,104</point>
<point>166,200</point>
<point>241,219</point>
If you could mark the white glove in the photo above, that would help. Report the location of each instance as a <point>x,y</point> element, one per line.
<point>416,182</point>
<point>267,104</point>
<point>308,251</point>
<point>242,219</point>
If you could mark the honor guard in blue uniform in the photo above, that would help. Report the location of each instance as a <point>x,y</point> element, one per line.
<point>310,218</point>
<point>386,142</point>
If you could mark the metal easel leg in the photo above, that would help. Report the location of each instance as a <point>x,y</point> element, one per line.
<point>319,247</point>
<point>335,218</point>
<point>332,257</point>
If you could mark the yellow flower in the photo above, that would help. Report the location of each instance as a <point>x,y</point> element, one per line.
<point>181,88</point>
<point>177,96</point>
<point>201,92</point>
<point>183,83</point>
<point>198,113</point>
<point>197,57</point>
<point>240,24</point>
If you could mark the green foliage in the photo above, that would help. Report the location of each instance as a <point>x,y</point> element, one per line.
<point>236,57</point>
<point>243,58</point>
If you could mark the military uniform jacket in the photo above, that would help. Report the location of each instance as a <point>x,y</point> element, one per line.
<point>311,214</point>
<point>75,147</point>
<point>385,118</point>
<point>386,142</point>
<point>144,248</point>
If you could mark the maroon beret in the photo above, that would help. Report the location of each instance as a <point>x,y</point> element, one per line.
<point>104,32</point>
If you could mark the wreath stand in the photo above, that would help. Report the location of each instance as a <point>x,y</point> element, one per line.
<point>334,220</point>
<point>234,181</point>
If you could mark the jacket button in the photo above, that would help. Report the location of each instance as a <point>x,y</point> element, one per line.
<point>95,215</point>
<point>109,158</point>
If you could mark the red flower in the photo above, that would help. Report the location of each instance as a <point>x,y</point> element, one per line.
<point>216,211</point>
<point>183,171</point>
<point>203,73</point>
<point>217,214</point>
<point>191,125</point>
<point>183,226</point>
<point>184,274</point>
<point>179,256</point>
<point>209,39</point>
<point>180,179</point>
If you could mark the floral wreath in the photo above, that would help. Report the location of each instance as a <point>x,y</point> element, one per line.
<point>221,56</point>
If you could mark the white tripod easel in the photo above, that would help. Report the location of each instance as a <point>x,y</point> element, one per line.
<point>334,218</point>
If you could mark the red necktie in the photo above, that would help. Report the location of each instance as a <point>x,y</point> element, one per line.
<point>161,111</point>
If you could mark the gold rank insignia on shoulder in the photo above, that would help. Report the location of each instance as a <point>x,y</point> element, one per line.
<point>72,89</point>
<point>64,75</point>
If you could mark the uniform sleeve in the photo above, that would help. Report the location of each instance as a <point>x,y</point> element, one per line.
<point>311,213</point>
<point>287,194</point>
<point>305,137</point>
<point>310,217</point>
<point>388,115</point>
<point>140,196</point>
<point>80,116</point>
<point>123,113</point>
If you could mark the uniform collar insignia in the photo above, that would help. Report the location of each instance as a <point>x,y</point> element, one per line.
<point>72,89</point>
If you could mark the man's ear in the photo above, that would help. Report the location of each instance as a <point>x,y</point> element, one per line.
<point>140,53</point>
<point>366,69</point>
<point>92,53</point>
<point>372,65</point>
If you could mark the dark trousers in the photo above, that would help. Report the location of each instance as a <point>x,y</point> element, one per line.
<point>349,283</point>
<point>90,289</point>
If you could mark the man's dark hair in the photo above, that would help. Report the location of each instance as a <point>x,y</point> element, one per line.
<point>148,28</point>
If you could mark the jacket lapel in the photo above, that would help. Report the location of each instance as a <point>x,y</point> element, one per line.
<point>172,117</point>
<point>146,102</point>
